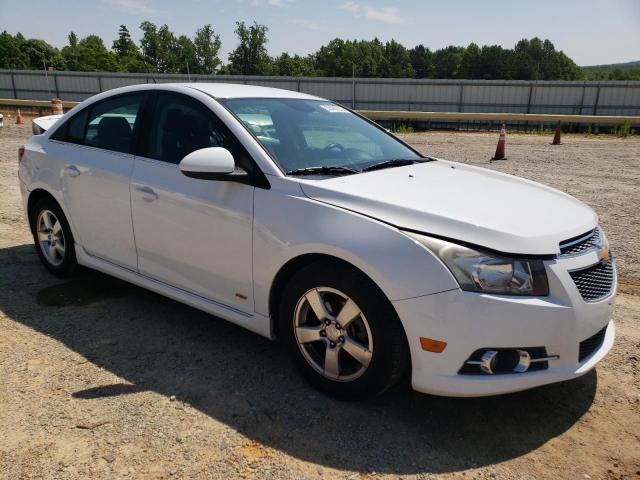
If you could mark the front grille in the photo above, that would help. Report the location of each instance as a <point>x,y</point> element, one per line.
<point>580,244</point>
<point>591,344</point>
<point>594,282</point>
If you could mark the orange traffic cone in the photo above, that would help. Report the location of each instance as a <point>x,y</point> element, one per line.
<point>19,119</point>
<point>502,143</point>
<point>556,137</point>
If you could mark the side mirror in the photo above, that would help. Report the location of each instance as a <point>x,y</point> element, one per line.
<point>213,163</point>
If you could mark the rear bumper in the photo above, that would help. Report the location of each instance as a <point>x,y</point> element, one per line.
<point>470,321</point>
<point>24,193</point>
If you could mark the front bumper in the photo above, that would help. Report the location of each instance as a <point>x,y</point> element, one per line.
<point>470,321</point>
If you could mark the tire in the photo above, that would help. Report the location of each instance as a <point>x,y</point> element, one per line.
<point>374,335</point>
<point>53,239</point>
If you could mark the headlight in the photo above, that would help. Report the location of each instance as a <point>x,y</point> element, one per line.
<point>486,272</point>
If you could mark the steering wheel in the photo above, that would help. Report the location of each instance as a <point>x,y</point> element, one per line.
<point>334,146</point>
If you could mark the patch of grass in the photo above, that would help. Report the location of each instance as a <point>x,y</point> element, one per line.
<point>541,130</point>
<point>623,129</point>
<point>402,128</point>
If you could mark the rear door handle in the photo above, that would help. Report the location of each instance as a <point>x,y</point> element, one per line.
<point>147,193</point>
<point>71,171</point>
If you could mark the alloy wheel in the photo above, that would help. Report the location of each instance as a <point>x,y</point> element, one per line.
<point>50,237</point>
<point>333,334</point>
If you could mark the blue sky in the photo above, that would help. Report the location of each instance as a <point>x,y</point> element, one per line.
<point>589,31</point>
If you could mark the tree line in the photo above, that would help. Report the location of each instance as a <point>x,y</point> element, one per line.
<point>161,51</point>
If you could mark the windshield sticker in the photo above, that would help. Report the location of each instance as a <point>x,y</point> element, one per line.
<point>330,107</point>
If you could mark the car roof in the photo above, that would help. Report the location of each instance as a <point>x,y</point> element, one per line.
<point>233,90</point>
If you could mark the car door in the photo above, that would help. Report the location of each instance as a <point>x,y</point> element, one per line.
<point>94,148</point>
<point>190,233</point>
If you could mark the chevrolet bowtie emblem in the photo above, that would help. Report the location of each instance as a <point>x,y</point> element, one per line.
<point>603,253</point>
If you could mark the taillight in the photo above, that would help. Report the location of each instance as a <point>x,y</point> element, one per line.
<point>20,153</point>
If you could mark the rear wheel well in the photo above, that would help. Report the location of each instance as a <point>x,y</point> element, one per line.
<point>35,197</point>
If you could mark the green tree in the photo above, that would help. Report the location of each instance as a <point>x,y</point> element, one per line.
<point>471,65</point>
<point>207,45</point>
<point>421,61</point>
<point>339,58</point>
<point>250,57</point>
<point>397,61</point>
<point>150,46</point>
<point>369,58</point>
<point>295,66</point>
<point>124,46</point>
<point>11,56</point>
<point>127,52</point>
<point>39,53</point>
<point>335,59</point>
<point>496,62</point>
<point>89,55</point>
<point>186,57</point>
<point>71,54</point>
<point>447,62</point>
<point>569,70</point>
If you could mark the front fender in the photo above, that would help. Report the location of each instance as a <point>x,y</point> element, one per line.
<point>288,225</point>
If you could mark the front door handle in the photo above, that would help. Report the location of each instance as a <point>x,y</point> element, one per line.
<point>71,171</point>
<point>147,193</point>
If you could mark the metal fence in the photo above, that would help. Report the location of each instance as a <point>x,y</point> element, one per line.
<point>504,96</point>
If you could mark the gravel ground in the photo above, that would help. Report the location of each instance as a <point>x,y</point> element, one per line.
<point>101,379</point>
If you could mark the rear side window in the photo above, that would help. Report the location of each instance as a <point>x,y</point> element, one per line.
<point>73,130</point>
<point>75,134</point>
<point>111,123</point>
<point>108,124</point>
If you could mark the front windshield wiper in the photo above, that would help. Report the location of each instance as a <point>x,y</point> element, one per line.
<point>395,162</point>
<point>323,170</point>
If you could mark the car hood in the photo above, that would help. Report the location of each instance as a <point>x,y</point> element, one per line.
<point>461,202</point>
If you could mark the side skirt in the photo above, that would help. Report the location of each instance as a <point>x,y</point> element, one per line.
<point>256,322</point>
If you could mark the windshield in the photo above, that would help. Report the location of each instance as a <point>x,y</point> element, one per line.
<point>303,134</point>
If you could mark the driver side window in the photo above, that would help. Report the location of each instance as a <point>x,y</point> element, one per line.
<point>182,125</point>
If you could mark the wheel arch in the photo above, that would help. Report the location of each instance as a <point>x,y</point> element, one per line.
<point>292,266</point>
<point>34,197</point>
<point>38,193</point>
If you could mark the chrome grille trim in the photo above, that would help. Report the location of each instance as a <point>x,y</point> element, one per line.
<point>581,244</point>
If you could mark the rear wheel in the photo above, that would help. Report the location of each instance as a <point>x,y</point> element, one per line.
<point>342,332</point>
<point>53,238</point>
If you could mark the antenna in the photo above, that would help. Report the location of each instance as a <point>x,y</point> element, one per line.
<point>46,75</point>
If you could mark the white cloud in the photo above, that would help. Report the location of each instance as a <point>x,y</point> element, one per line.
<point>308,25</point>
<point>384,14</point>
<point>350,6</point>
<point>272,3</point>
<point>133,7</point>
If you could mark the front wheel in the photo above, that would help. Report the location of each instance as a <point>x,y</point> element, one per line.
<point>342,332</point>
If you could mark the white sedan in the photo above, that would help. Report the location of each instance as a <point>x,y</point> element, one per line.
<point>296,218</point>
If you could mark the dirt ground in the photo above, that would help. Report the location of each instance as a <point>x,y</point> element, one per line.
<point>100,379</point>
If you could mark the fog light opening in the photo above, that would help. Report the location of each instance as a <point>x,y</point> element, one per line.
<point>524,360</point>
<point>507,360</point>
<point>487,362</point>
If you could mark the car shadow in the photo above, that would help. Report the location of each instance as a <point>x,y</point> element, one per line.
<point>247,382</point>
